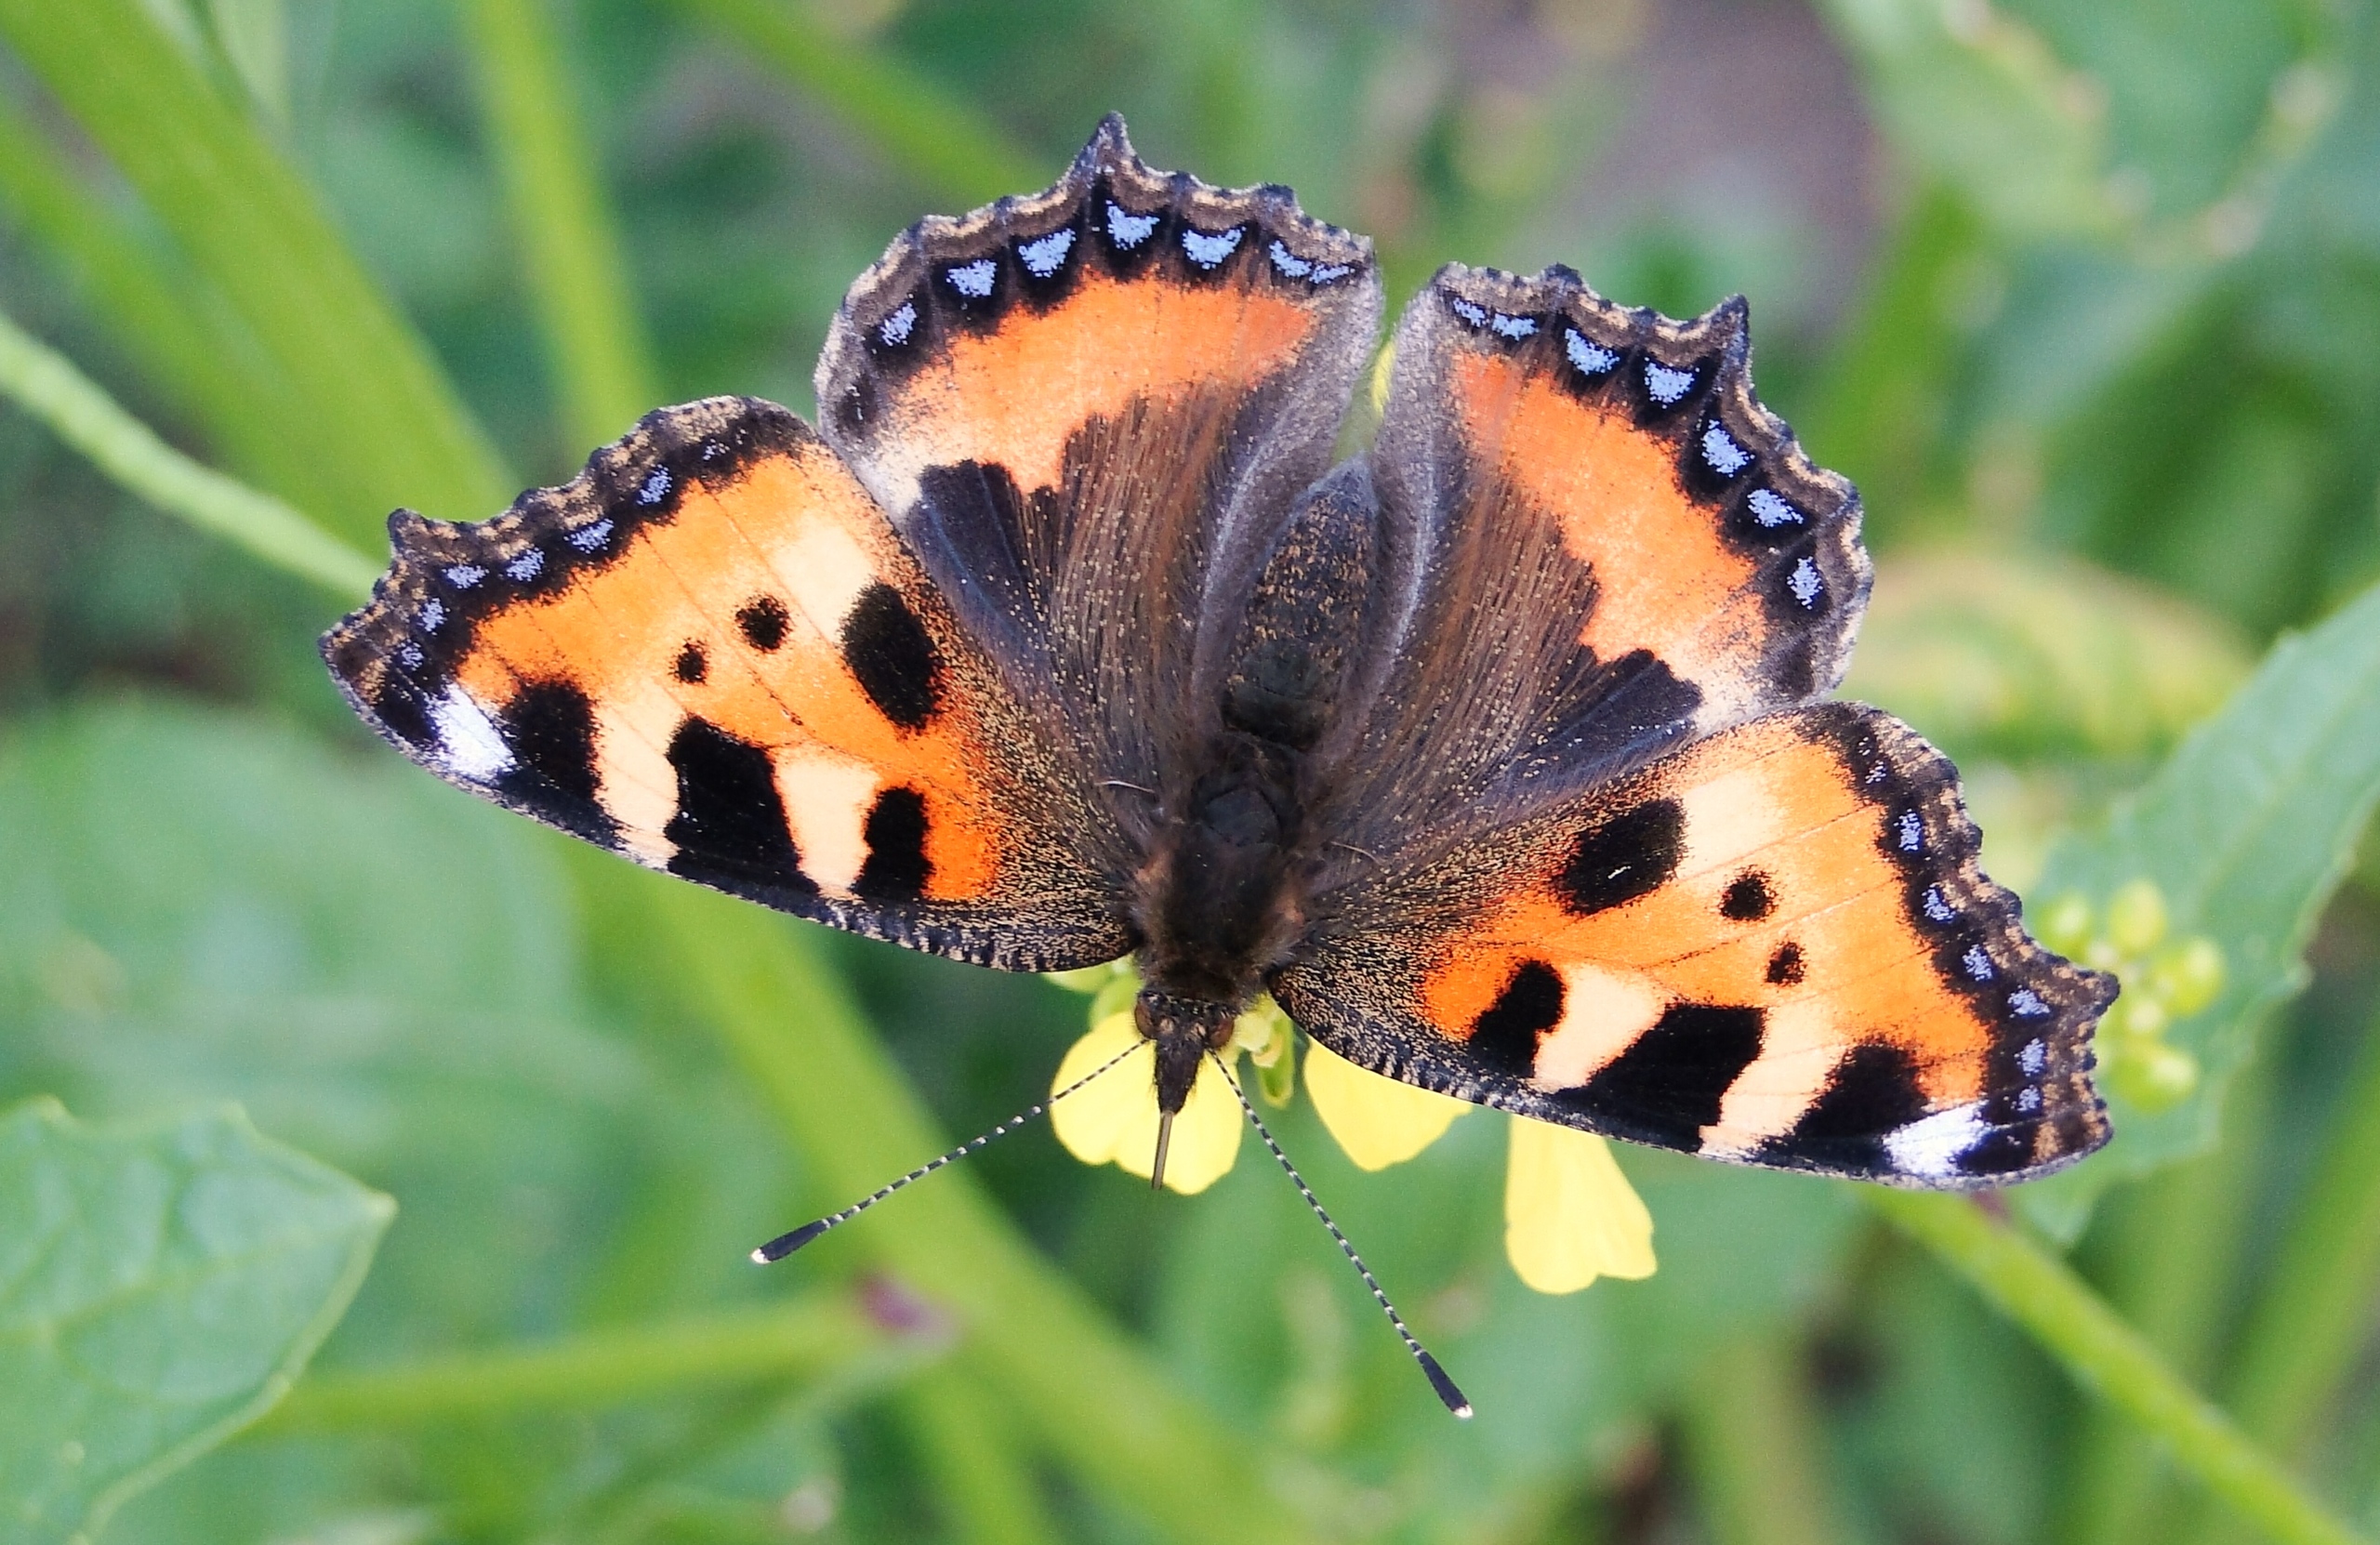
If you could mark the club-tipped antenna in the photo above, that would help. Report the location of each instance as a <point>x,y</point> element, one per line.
<point>785,1243</point>
<point>1448,1392</point>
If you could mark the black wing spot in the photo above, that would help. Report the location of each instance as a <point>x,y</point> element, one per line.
<point>764,621</point>
<point>550,727</point>
<point>1785,967</point>
<point>729,828</point>
<point>1628,856</point>
<point>692,663</point>
<point>1504,1036</point>
<point>1873,1093</point>
<point>895,661</point>
<point>898,867</point>
<point>1671,1081</point>
<point>1749,899</point>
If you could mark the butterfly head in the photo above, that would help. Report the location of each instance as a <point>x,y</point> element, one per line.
<point>1184,1029</point>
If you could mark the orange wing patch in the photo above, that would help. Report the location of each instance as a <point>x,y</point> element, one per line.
<point>1710,541</point>
<point>711,653</point>
<point>999,336</point>
<point>1772,948</point>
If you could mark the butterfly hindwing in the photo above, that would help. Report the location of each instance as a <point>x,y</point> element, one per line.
<point>1086,410</point>
<point>1773,946</point>
<point>711,653</point>
<point>1614,548</point>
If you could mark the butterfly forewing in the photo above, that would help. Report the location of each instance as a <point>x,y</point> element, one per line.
<point>710,653</point>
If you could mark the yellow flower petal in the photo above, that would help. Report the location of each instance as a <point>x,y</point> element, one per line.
<point>1378,1120</point>
<point>1113,1118</point>
<point>1092,1121</point>
<point>1570,1216</point>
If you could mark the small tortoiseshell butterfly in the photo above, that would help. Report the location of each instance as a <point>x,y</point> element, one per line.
<point>1497,753</point>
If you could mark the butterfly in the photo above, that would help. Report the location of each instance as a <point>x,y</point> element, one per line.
<point>1501,754</point>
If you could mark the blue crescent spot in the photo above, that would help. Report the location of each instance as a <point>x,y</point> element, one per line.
<point>1665,384</point>
<point>1507,327</point>
<point>2028,1003</point>
<point>1045,256</point>
<point>1127,231</point>
<point>1289,262</point>
<point>1475,315</point>
<point>587,539</point>
<point>1772,511</point>
<point>464,576</point>
<point>1589,356</point>
<point>1727,458</point>
<point>1804,583</point>
<point>656,485</point>
<point>972,280</point>
<point>896,329</point>
<point>524,568</point>
<point>433,612</point>
<point>1208,251</point>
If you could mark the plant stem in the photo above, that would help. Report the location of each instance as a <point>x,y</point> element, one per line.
<point>381,418</point>
<point>569,242</point>
<point>2109,1358</point>
<point>925,130</point>
<point>48,386</point>
<point>1751,1444</point>
<point>1094,1399</point>
<point>983,1486</point>
<point>2317,1304</point>
<point>166,320</point>
<point>821,1334</point>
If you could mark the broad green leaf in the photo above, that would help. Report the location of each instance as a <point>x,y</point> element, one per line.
<point>159,1290</point>
<point>2038,658</point>
<point>2244,833</point>
<point>1979,102</point>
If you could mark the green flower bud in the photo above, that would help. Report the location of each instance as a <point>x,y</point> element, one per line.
<point>2065,924</point>
<point>2136,918</point>
<point>2188,976</point>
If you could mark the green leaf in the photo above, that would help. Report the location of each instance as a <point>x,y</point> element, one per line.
<point>1980,102</point>
<point>378,408</point>
<point>2246,832</point>
<point>159,1290</point>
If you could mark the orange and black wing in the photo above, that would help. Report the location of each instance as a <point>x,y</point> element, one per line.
<point>1088,413</point>
<point>710,652</point>
<point>1772,948</point>
<point>1613,549</point>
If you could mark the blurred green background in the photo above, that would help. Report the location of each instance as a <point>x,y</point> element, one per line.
<point>2085,297</point>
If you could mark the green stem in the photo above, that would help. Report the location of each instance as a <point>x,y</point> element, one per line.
<point>45,385</point>
<point>569,242</point>
<point>814,1337</point>
<point>2317,1304</point>
<point>983,1486</point>
<point>167,321</point>
<point>2171,1269</point>
<point>1751,1447</point>
<point>379,415</point>
<point>922,128</point>
<point>2109,1358</point>
<point>1096,1402</point>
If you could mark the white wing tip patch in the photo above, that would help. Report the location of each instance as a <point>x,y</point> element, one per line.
<point>1932,1146</point>
<point>468,741</point>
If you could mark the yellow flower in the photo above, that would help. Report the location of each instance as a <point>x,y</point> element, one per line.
<point>1570,1215</point>
<point>1113,1118</point>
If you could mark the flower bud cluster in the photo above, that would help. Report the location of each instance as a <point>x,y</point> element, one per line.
<point>2165,980</point>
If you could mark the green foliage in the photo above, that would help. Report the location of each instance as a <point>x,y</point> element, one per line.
<point>2241,836</point>
<point>159,1290</point>
<point>2102,357</point>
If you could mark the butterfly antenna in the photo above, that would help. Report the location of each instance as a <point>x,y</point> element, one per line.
<point>1448,1392</point>
<point>785,1243</point>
